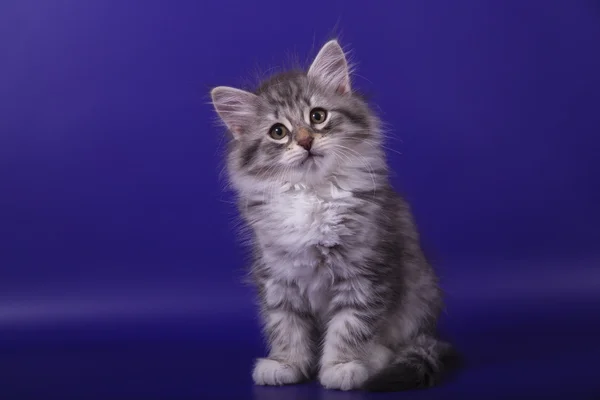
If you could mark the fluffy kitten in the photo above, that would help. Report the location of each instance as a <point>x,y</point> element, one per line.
<point>346,293</point>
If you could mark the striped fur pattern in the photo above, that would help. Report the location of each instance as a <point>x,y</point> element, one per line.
<point>346,294</point>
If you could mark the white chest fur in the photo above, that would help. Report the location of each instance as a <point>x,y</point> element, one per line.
<point>302,218</point>
<point>298,230</point>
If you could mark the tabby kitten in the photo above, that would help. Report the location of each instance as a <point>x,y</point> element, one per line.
<point>346,293</point>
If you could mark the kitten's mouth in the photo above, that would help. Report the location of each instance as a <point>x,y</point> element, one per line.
<point>310,157</point>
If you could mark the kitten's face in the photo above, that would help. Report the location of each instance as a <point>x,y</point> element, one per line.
<point>298,127</point>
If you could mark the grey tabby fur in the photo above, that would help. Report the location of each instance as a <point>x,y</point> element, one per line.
<point>346,293</point>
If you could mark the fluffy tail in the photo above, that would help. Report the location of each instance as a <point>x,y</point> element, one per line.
<point>420,364</point>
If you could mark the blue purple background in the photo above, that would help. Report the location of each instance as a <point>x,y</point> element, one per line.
<point>119,269</point>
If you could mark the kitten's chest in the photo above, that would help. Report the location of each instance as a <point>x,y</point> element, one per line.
<point>301,219</point>
<point>297,235</point>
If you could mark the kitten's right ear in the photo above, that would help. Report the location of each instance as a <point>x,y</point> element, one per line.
<point>235,107</point>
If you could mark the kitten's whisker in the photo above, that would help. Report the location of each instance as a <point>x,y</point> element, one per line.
<point>269,174</point>
<point>374,144</point>
<point>365,162</point>
<point>279,181</point>
<point>277,174</point>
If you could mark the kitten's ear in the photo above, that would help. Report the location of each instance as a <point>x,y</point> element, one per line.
<point>331,68</point>
<point>235,107</point>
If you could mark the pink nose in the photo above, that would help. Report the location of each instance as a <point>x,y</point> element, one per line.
<point>306,142</point>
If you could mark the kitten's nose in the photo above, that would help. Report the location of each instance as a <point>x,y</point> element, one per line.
<point>306,142</point>
<point>304,139</point>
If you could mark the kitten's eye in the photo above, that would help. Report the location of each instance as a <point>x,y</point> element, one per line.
<point>318,116</point>
<point>278,131</point>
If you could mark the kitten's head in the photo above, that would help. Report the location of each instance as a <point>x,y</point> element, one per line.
<point>299,127</point>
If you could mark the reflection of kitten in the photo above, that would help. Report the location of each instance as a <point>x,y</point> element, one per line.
<point>344,287</point>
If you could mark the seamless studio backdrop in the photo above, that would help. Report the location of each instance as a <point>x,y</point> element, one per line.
<point>120,272</point>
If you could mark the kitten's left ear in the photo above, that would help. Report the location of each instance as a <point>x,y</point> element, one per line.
<point>331,67</point>
<point>236,108</point>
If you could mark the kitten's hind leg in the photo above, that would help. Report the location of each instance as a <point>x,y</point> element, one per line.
<point>290,332</point>
<point>421,363</point>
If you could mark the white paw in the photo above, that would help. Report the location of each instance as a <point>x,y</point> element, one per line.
<point>275,373</point>
<point>344,376</point>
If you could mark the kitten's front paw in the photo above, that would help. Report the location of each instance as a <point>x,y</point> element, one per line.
<point>275,373</point>
<point>344,376</point>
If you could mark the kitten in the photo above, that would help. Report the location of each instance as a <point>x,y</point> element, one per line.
<point>346,293</point>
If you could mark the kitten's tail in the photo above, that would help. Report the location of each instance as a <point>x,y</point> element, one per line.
<point>420,364</point>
